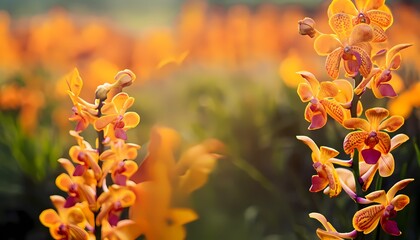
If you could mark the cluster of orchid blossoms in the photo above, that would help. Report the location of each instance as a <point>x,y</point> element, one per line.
<point>110,196</point>
<point>358,44</point>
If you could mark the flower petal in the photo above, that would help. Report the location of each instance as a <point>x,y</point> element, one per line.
<point>332,63</point>
<point>103,121</point>
<point>325,44</point>
<point>366,63</point>
<point>380,18</point>
<point>327,90</point>
<point>357,123</point>
<point>327,153</point>
<point>386,165</point>
<point>317,115</point>
<point>304,91</point>
<point>308,76</point>
<point>378,196</point>
<point>400,201</point>
<point>342,6</point>
<point>63,182</point>
<point>119,101</point>
<point>131,120</point>
<point>345,92</point>
<point>390,227</point>
<point>385,90</point>
<point>384,144</point>
<point>361,33</point>
<point>318,183</point>
<point>398,186</point>
<point>370,155</point>
<point>394,51</point>
<point>354,140</point>
<point>397,140</point>
<point>367,218</point>
<point>341,24</point>
<point>376,115</point>
<point>311,144</point>
<point>49,217</point>
<point>335,110</point>
<point>378,33</point>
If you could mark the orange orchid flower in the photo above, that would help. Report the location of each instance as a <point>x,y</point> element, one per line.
<point>323,162</point>
<point>324,98</point>
<point>366,219</point>
<point>371,140</point>
<point>385,165</point>
<point>372,12</point>
<point>349,186</point>
<point>67,223</point>
<point>350,44</point>
<point>115,119</point>
<point>380,78</point>
<point>330,233</point>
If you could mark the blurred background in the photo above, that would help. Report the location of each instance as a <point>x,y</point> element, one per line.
<point>215,68</point>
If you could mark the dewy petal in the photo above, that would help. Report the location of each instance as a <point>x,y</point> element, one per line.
<point>332,63</point>
<point>392,124</point>
<point>341,24</point>
<point>354,140</point>
<point>390,227</point>
<point>386,165</point>
<point>131,120</point>
<point>398,186</point>
<point>367,218</point>
<point>342,6</point>
<point>357,123</point>
<point>324,44</point>
<point>304,91</point>
<point>380,18</point>
<point>361,33</point>
<point>376,115</point>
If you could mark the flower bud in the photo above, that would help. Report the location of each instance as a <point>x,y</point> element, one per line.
<point>307,27</point>
<point>125,78</point>
<point>102,92</point>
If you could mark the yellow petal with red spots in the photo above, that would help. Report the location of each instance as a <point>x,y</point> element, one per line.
<point>342,26</point>
<point>357,123</point>
<point>378,33</point>
<point>49,217</point>
<point>324,44</point>
<point>376,115</point>
<point>332,63</point>
<point>392,124</point>
<point>400,201</point>
<point>131,120</point>
<point>335,110</point>
<point>342,6</point>
<point>366,62</point>
<point>304,91</point>
<point>354,140</point>
<point>366,219</point>
<point>380,18</point>
<point>398,186</point>
<point>63,182</point>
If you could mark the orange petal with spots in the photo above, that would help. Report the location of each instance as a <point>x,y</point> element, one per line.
<point>376,115</point>
<point>378,33</point>
<point>366,62</point>
<point>324,44</point>
<point>304,91</point>
<point>354,140</point>
<point>341,24</point>
<point>366,219</point>
<point>357,123</point>
<point>335,110</point>
<point>384,144</point>
<point>380,18</point>
<point>342,6</point>
<point>332,63</point>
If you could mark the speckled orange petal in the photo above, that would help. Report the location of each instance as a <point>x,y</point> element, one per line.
<point>357,123</point>
<point>398,186</point>
<point>366,219</point>
<point>341,24</point>
<point>332,63</point>
<point>384,144</point>
<point>400,201</point>
<point>131,120</point>
<point>378,33</point>
<point>324,44</point>
<point>376,115</point>
<point>304,91</point>
<point>380,18</point>
<point>354,140</point>
<point>386,165</point>
<point>392,124</point>
<point>342,6</point>
<point>335,110</point>
<point>366,62</point>
<point>49,217</point>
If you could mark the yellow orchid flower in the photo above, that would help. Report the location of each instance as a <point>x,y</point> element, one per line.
<point>370,139</point>
<point>330,233</point>
<point>323,162</point>
<point>372,12</point>
<point>366,219</point>
<point>324,98</point>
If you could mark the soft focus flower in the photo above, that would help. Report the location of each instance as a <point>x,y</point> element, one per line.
<point>330,233</point>
<point>323,159</point>
<point>350,44</point>
<point>406,101</point>
<point>324,98</point>
<point>374,13</point>
<point>371,140</point>
<point>367,218</point>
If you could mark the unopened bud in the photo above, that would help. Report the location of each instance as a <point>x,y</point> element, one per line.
<point>102,92</point>
<point>125,78</point>
<point>307,27</point>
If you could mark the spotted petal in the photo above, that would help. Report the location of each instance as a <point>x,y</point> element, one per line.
<point>335,110</point>
<point>366,219</point>
<point>380,18</point>
<point>400,201</point>
<point>354,140</point>
<point>365,61</point>
<point>341,24</point>
<point>332,63</point>
<point>378,33</point>
<point>342,6</point>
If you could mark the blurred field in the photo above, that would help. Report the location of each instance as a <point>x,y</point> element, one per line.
<point>223,69</point>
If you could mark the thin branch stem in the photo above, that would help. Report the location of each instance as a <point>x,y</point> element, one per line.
<point>99,190</point>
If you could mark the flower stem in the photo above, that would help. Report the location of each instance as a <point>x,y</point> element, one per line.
<point>101,148</point>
